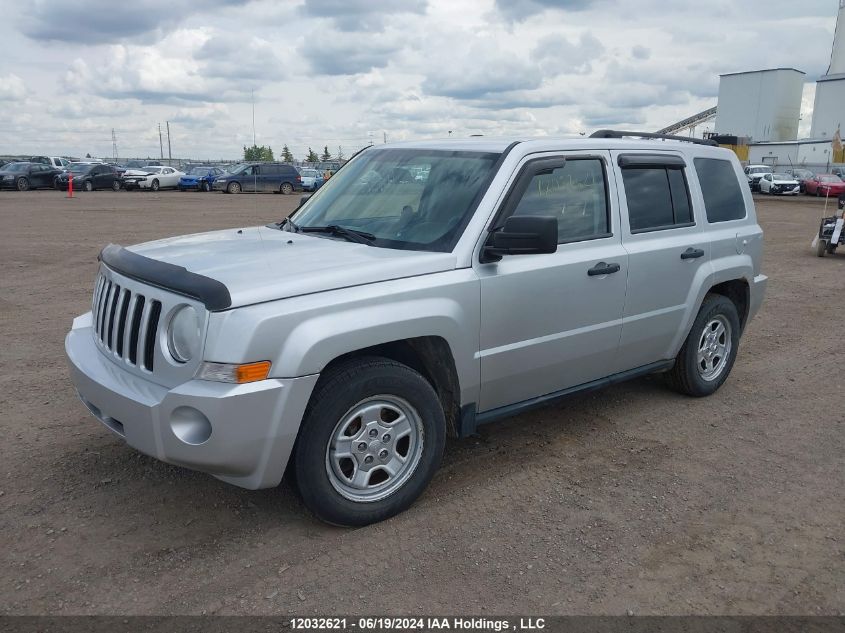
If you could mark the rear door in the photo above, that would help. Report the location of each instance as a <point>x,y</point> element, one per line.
<point>547,322</point>
<point>667,248</point>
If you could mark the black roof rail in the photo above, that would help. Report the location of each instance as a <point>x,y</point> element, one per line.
<point>668,137</point>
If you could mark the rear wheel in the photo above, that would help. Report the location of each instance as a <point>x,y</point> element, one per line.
<point>287,188</point>
<point>234,187</point>
<point>371,440</point>
<point>708,354</point>
<point>22,184</point>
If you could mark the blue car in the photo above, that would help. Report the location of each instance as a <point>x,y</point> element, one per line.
<point>199,178</point>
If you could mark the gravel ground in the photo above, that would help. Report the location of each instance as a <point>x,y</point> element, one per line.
<point>633,499</point>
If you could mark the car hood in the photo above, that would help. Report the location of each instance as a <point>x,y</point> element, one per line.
<point>785,182</point>
<point>261,264</point>
<point>137,172</point>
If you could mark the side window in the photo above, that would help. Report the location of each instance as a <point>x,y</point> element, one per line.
<point>658,197</point>
<point>723,199</point>
<point>572,190</point>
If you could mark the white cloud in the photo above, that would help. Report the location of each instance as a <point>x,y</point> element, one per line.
<point>12,88</point>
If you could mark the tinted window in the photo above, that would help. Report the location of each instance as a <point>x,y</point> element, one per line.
<point>657,198</point>
<point>573,192</point>
<point>722,194</point>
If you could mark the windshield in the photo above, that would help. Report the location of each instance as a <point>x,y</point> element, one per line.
<point>309,173</point>
<point>760,170</point>
<point>782,177</point>
<point>15,167</point>
<point>410,199</point>
<point>199,171</point>
<point>830,179</point>
<point>80,169</point>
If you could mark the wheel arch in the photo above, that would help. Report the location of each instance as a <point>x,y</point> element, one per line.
<point>731,278</point>
<point>431,357</point>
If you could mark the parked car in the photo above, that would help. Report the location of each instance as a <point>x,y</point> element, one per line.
<point>350,339</point>
<point>57,162</point>
<point>24,175</point>
<point>255,177</point>
<point>152,177</point>
<point>800,175</point>
<point>824,185</point>
<point>754,173</point>
<point>88,177</point>
<point>311,179</point>
<point>199,178</point>
<point>779,184</point>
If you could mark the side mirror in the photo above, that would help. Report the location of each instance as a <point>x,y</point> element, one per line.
<point>522,235</point>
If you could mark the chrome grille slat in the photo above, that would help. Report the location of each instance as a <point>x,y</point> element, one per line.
<point>120,328</point>
<point>112,307</point>
<point>142,333</point>
<point>103,303</point>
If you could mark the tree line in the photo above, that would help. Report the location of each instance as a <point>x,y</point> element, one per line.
<point>265,153</point>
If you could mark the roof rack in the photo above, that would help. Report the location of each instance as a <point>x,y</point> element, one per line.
<point>668,137</point>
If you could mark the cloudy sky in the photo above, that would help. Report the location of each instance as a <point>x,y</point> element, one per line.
<point>348,72</point>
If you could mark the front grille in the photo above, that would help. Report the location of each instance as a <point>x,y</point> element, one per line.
<point>125,322</point>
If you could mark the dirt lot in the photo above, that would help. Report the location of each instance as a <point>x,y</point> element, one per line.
<point>632,498</point>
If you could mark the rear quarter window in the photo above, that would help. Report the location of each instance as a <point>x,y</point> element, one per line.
<point>723,199</point>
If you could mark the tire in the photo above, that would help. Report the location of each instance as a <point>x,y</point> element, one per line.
<point>56,185</point>
<point>154,185</point>
<point>821,248</point>
<point>22,184</point>
<point>692,373</point>
<point>115,185</point>
<point>384,388</point>
<point>286,188</point>
<point>234,187</point>
<point>205,186</point>
<point>88,185</point>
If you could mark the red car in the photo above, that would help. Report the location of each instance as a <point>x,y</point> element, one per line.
<point>824,185</point>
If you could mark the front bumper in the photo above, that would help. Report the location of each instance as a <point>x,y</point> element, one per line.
<point>252,426</point>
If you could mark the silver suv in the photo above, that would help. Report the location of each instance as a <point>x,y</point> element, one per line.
<point>426,289</point>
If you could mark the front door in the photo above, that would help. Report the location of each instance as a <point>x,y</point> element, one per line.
<point>550,322</point>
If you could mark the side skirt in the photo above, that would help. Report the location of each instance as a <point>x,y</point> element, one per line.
<point>471,419</point>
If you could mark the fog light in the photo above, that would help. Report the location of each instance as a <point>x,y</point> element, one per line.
<point>190,425</point>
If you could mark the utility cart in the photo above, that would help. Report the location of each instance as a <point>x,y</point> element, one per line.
<point>831,233</point>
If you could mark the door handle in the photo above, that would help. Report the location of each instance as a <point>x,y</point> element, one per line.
<point>692,253</point>
<point>603,269</point>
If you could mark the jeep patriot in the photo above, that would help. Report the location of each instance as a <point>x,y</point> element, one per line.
<point>429,287</point>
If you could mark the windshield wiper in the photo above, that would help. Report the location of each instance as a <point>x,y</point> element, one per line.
<point>352,235</point>
<point>290,223</point>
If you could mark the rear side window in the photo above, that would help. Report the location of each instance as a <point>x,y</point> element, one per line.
<point>658,198</point>
<point>722,194</point>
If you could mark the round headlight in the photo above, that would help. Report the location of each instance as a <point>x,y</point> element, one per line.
<point>183,334</point>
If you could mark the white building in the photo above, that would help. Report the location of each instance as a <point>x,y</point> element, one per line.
<point>762,105</point>
<point>829,109</point>
<point>815,155</point>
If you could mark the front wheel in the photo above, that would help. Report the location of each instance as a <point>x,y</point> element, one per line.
<point>205,186</point>
<point>371,440</point>
<point>88,185</point>
<point>709,352</point>
<point>821,248</point>
<point>155,185</point>
<point>115,185</point>
<point>22,184</point>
